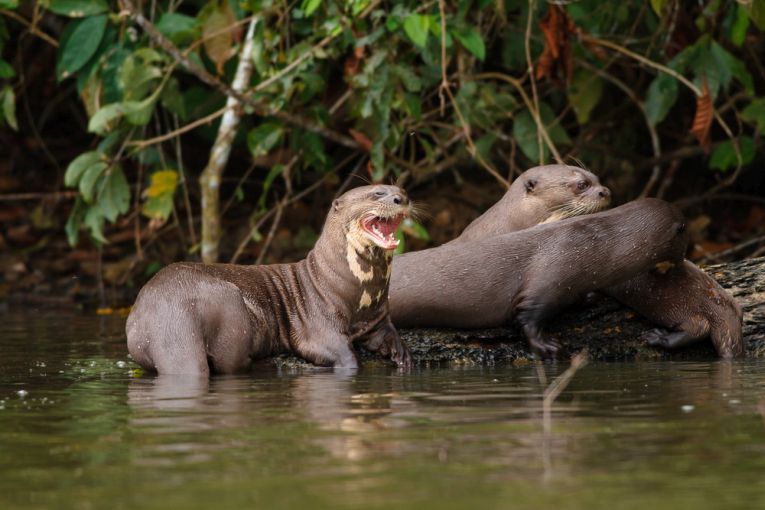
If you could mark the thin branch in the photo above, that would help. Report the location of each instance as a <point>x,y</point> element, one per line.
<point>540,127</point>
<point>444,80</point>
<point>655,143</point>
<point>682,79</point>
<point>739,247</point>
<point>530,71</point>
<point>32,27</point>
<point>272,231</point>
<point>558,385</point>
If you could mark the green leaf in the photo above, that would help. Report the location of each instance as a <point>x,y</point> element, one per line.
<point>525,132</point>
<point>6,70</point>
<point>79,42</point>
<point>471,39</point>
<point>414,229</point>
<point>755,113</point>
<point>9,107</point>
<point>159,195</point>
<point>9,4</point>
<point>740,26</point>
<point>658,6</point>
<point>89,180</point>
<point>78,166</point>
<point>264,138</point>
<point>756,10</point>
<point>309,6</point>
<point>135,111</point>
<point>78,8</point>
<point>74,221</point>
<point>275,172</point>
<point>409,78</point>
<point>179,28</point>
<point>416,27</point>
<point>114,194</point>
<point>724,156</point>
<point>662,94</point>
<point>584,94</point>
<point>94,220</point>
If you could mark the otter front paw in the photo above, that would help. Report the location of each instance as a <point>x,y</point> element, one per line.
<point>400,354</point>
<point>546,349</point>
<point>655,338</point>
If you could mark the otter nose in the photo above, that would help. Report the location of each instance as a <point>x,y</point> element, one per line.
<point>399,199</point>
<point>604,192</point>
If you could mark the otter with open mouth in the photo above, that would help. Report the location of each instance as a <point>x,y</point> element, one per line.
<point>195,318</point>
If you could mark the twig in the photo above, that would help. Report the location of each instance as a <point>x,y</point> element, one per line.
<point>20,197</point>
<point>540,127</point>
<point>184,185</point>
<point>31,26</point>
<point>682,79</point>
<point>225,89</point>
<point>245,241</point>
<point>272,231</point>
<point>558,385</point>
<point>444,81</point>
<point>141,144</point>
<point>739,247</point>
<point>530,70</point>
<point>655,143</point>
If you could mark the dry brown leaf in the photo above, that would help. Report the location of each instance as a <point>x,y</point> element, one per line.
<point>361,139</point>
<point>220,21</point>
<point>703,119</point>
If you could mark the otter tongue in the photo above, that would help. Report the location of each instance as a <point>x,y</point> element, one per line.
<point>387,227</point>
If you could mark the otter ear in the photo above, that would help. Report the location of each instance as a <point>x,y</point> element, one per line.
<point>530,183</point>
<point>336,204</point>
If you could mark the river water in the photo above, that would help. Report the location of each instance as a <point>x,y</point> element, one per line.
<point>81,428</point>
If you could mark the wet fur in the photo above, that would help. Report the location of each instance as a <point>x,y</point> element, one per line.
<point>201,318</point>
<point>532,273</point>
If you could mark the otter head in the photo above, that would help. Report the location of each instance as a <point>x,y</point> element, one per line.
<point>557,192</point>
<point>370,215</point>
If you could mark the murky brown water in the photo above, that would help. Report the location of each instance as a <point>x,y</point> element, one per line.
<point>79,430</point>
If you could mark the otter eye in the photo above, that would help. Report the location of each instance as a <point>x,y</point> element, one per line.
<point>379,194</point>
<point>582,185</point>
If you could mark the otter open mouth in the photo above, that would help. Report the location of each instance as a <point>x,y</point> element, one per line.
<point>381,230</point>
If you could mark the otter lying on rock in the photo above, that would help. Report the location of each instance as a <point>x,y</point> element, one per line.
<point>685,300</point>
<point>532,273</point>
<point>200,318</point>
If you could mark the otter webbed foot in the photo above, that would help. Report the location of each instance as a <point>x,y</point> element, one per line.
<point>542,347</point>
<point>667,340</point>
<point>387,342</point>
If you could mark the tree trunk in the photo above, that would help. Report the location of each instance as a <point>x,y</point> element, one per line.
<point>608,329</point>
<point>210,179</point>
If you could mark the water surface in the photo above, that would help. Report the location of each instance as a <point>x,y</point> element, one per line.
<point>79,428</point>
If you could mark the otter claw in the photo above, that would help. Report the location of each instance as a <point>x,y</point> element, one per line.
<point>545,348</point>
<point>654,338</point>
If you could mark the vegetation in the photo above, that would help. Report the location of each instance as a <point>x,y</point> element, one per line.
<point>319,90</point>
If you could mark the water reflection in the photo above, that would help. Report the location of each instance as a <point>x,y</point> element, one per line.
<point>656,434</point>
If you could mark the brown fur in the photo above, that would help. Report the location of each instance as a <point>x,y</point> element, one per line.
<point>685,299</point>
<point>198,318</point>
<point>534,272</point>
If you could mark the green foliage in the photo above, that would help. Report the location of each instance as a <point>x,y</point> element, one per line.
<point>78,8</point>
<point>342,67</point>
<point>78,44</point>
<point>8,107</point>
<point>724,156</point>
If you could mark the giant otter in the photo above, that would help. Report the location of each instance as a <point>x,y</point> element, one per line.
<point>534,272</point>
<point>685,299</point>
<point>201,318</point>
<point>543,194</point>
